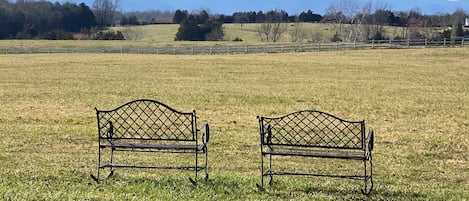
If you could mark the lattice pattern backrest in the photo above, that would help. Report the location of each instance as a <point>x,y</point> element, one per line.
<point>313,129</point>
<point>148,120</point>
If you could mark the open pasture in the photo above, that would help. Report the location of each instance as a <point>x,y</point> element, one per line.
<point>416,100</point>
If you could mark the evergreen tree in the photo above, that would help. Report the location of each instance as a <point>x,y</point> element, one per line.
<point>189,30</point>
<point>179,16</point>
<point>212,30</point>
<point>11,22</point>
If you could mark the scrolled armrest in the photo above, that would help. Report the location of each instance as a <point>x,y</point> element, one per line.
<point>266,134</point>
<point>109,131</point>
<point>206,132</point>
<point>371,139</point>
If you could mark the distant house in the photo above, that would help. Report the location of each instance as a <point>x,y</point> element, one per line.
<point>466,25</point>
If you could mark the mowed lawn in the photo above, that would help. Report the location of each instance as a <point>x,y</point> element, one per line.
<point>416,100</point>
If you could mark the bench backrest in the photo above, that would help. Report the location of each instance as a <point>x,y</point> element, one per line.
<point>145,119</point>
<point>311,128</point>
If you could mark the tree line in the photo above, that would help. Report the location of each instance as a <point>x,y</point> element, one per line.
<point>42,19</point>
<point>350,20</point>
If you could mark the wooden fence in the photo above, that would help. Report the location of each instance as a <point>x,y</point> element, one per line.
<point>249,49</point>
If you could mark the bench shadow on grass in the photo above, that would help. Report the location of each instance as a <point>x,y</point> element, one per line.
<point>219,187</point>
<point>283,190</point>
<point>240,187</point>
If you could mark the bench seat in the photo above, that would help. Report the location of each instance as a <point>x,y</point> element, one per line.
<point>179,147</point>
<point>319,153</point>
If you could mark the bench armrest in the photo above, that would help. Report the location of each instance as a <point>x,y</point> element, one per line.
<point>109,131</point>
<point>206,132</point>
<point>266,134</point>
<point>371,139</point>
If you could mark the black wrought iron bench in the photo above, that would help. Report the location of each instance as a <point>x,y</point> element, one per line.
<point>145,125</point>
<point>317,134</point>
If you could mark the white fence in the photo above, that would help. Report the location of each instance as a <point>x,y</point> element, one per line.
<point>248,49</point>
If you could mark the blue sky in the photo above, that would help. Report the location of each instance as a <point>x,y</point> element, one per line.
<point>291,6</point>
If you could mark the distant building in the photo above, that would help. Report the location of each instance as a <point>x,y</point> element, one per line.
<point>466,25</point>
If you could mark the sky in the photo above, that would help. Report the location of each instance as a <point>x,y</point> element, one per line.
<point>291,6</point>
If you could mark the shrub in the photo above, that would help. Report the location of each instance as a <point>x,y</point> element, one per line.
<point>238,39</point>
<point>57,34</point>
<point>108,35</point>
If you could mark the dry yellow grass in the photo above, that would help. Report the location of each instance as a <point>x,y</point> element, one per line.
<point>417,101</point>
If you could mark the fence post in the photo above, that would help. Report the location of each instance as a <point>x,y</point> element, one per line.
<point>157,50</point>
<point>229,49</point>
<point>354,44</point>
<point>373,43</point>
<point>174,50</point>
<point>210,49</point>
<point>283,48</point>
<point>444,42</point>
<point>301,47</point>
<point>408,43</point>
<point>426,42</point>
<point>337,45</point>
<point>192,50</point>
<point>462,41</point>
<point>247,49</point>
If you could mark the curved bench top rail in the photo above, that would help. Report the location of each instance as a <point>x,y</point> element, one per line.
<point>311,128</point>
<point>144,100</point>
<point>146,119</point>
<point>311,111</point>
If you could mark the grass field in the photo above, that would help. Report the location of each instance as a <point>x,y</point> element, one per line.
<point>163,35</point>
<point>416,100</point>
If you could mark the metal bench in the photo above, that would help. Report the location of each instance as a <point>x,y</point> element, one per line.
<point>145,125</point>
<point>316,134</point>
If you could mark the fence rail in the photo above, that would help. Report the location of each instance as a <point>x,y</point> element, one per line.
<point>248,49</point>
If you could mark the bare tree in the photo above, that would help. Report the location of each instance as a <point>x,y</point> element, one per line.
<point>335,15</point>
<point>350,19</point>
<point>415,23</point>
<point>458,16</point>
<point>264,31</point>
<point>377,21</point>
<point>132,33</point>
<point>104,11</point>
<point>273,27</point>
<point>297,33</point>
<point>277,30</point>
<point>316,37</point>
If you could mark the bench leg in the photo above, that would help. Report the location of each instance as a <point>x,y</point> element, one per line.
<point>206,163</point>
<point>270,170</point>
<point>111,169</point>
<point>96,178</point>
<point>261,186</point>
<point>194,181</point>
<point>262,170</point>
<point>368,178</point>
<point>196,167</point>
